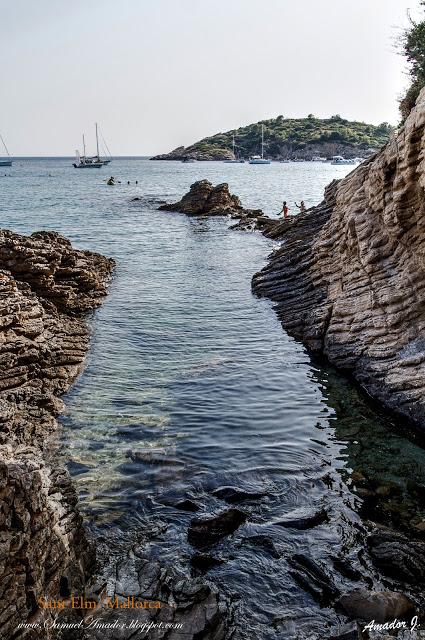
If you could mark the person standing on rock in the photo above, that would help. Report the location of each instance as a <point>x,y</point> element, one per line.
<point>285,210</point>
<point>301,206</point>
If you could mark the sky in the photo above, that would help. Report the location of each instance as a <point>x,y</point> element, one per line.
<point>157,74</point>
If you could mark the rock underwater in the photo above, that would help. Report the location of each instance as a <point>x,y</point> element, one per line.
<point>46,286</point>
<point>348,279</point>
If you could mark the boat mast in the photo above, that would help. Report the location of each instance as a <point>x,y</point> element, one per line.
<point>84,147</point>
<point>97,143</point>
<point>262,141</point>
<point>4,145</point>
<point>233,145</point>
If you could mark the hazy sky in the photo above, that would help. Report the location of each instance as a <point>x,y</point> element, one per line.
<point>159,73</point>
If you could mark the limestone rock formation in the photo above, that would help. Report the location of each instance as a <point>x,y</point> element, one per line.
<point>45,287</point>
<point>205,200</point>
<point>348,279</point>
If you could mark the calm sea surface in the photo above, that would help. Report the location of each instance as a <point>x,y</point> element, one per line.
<point>192,385</point>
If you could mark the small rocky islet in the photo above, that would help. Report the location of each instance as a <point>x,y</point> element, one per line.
<point>347,281</point>
<point>289,139</point>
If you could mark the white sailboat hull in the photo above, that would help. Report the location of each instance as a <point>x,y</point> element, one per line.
<point>88,165</point>
<point>5,163</point>
<point>259,161</point>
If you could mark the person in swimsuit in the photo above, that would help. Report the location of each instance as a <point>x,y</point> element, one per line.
<point>301,206</point>
<point>285,210</point>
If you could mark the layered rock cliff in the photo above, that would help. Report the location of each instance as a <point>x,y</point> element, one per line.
<point>46,286</point>
<point>348,279</point>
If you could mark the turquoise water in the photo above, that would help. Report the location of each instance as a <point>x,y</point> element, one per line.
<point>192,385</point>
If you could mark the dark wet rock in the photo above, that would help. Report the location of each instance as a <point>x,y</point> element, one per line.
<point>343,567</point>
<point>204,199</point>
<point>187,505</point>
<point>398,556</point>
<point>257,222</point>
<point>234,495</point>
<point>46,286</point>
<point>154,458</point>
<point>76,468</point>
<point>381,606</point>
<point>265,543</point>
<point>313,579</point>
<point>191,602</point>
<point>204,561</point>
<point>347,281</point>
<point>204,532</point>
<point>148,200</point>
<point>345,632</point>
<point>301,522</point>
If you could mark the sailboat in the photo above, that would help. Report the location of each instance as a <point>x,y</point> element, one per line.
<point>235,160</point>
<point>90,162</point>
<point>6,162</point>
<point>260,159</point>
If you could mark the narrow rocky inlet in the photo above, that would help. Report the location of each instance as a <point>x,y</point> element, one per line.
<point>46,289</point>
<point>348,279</point>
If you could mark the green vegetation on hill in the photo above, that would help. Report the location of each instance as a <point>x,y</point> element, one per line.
<point>413,48</point>
<point>287,136</point>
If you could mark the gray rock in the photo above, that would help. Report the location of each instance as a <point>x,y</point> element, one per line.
<point>381,606</point>
<point>204,532</point>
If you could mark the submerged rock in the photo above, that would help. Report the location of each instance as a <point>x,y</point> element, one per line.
<point>204,532</point>
<point>233,495</point>
<point>349,278</point>
<point>187,505</point>
<point>265,543</point>
<point>301,522</point>
<point>381,606</point>
<point>204,561</point>
<point>311,577</point>
<point>398,556</point>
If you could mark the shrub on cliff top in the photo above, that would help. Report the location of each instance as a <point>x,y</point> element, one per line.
<point>413,48</point>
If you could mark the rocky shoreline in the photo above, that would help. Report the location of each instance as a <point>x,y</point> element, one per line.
<point>46,289</point>
<point>348,279</point>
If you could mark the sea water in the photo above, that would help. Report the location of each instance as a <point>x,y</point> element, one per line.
<point>191,385</point>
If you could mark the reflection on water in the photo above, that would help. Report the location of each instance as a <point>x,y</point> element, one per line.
<point>192,386</point>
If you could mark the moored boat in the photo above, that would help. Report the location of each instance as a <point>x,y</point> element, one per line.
<point>5,162</point>
<point>260,159</point>
<point>235,160</point>
<point>341,160</point>
<point>90,162</point>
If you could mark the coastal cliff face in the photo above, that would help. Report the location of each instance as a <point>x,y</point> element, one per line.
<point>348,279</point>
<point>45,288</point>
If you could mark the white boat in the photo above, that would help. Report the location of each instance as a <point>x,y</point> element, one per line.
<point>5,162</point>
<point>341,160</point>
<point>260,159</point>
<point>90,162</point>
<point>318,159</point>
<point>235,160</point>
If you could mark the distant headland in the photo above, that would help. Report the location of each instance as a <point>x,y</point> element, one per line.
<point>289,139</point>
